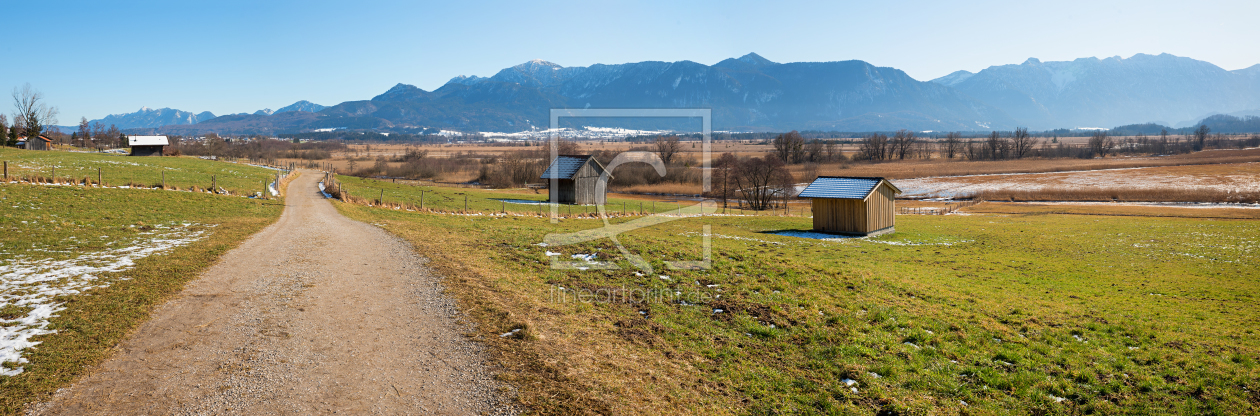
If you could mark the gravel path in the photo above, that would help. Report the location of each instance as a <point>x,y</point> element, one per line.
<point>315,314</point>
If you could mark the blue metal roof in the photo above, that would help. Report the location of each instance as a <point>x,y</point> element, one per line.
<point>564,167</point>
<point>840,187</point>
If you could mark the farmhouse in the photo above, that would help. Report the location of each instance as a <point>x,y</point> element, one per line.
<point>36,143</point>
<point>577,177</point>
<point>147,145</point>
<point>852,205</point>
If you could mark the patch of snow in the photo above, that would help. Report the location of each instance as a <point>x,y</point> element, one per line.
<point>35,283</point>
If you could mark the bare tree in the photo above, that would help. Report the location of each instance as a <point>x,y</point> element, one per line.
<point>1201,136</point>
<point>724,168</point>
<point>31,110</point>
<point>874,147</point>
<point>667,147</point>
<point>994,146</point>
<point>115,136</point>
<point>761,179</point>
<point>789,147</point>
<point>902,141</point>
<point>1100,143</point>
<point>814,151</point>
<point>85,131</point>
<point>952,144</point>
<point>829,148</point>
<point>4,130</point>
<point>1022,143</point>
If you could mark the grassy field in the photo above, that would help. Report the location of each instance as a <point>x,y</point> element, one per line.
<point>1013,312</point>
<point>82,267</point>
<point>486,202</point>
<point>897,169</point>
<point>118,170</point>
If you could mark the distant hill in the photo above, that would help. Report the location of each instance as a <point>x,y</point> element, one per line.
<point>1091,92</point>
<point>153,118</point>
<point>746,93</point>
<point>752,93</point>
<point>303,105</point>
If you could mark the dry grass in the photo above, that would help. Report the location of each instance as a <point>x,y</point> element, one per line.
<point>1119,210</point>
<point>939,167</point>
<point>1122,195</point>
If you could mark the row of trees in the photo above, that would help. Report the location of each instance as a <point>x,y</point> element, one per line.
<point>792,148</point>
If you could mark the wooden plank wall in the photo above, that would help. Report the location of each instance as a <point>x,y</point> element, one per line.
<point>881,205</point>
<point>854,215</point>
<point>585,180</point>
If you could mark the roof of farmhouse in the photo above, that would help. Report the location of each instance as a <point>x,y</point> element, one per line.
<point>843,187</point>
<point>565,166</point>
<point>147,141</point>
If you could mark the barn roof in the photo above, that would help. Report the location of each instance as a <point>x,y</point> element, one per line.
<point>147,141</point>
<point>566,166</point>
<point>843,187</point>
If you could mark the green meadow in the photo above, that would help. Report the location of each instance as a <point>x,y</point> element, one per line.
<point>102,259</point>
<point>984,313</point>
<point>120,170</point>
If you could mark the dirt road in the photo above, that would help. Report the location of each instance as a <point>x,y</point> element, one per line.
<point>315,314</point>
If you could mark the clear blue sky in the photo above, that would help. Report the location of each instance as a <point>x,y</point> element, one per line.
<point>93,58</point>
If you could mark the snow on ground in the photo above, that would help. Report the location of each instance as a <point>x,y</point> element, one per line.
<point>1164,177</point>
<point>34,283</point>
<point>522,201</point>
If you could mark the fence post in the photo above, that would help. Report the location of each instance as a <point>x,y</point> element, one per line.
<point>98,175</point>
<point>502,207</point>
<point>381,200</point>
<point>421,199</point>
<point>163,180</point>
<point>465,203</point>
<point>214,185</point>
<point>6,170</point>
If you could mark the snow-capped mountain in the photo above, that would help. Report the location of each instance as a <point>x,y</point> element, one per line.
<point>755,93</point>
<point>303,105</point>
<point>263,112</point>
<point>1109,92</point>
<point>749,92</point>
<point>152,118</point>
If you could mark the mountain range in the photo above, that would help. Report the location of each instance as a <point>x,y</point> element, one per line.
<point>148,118</point>
<point>754,93</point>
<point>1092,92</point>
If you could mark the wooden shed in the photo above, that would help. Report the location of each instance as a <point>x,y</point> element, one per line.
<point>35,143</point>
<point>853,205</point>
<point>576,177</point>
<point>147,145</point>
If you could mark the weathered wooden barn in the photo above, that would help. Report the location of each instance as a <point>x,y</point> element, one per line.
<point>35,143</point>
<point>853,205</point>
<point>147,145</point>
<point>576,178</point>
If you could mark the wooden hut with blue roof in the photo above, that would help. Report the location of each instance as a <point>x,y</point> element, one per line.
<point>853,205</point>
<point>577,177</point>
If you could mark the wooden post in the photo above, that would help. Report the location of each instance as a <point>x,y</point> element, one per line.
<point>640,207</point>
<point>98,176</point>
<point>163,179</point>
<point>381,200</point>
<point>214,185</point>
<point>421,199</point>
<point>465,203</point>
<point>6,170</point>
<point>502,207</point>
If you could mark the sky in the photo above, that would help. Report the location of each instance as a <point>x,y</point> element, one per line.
<point>94,58</point>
